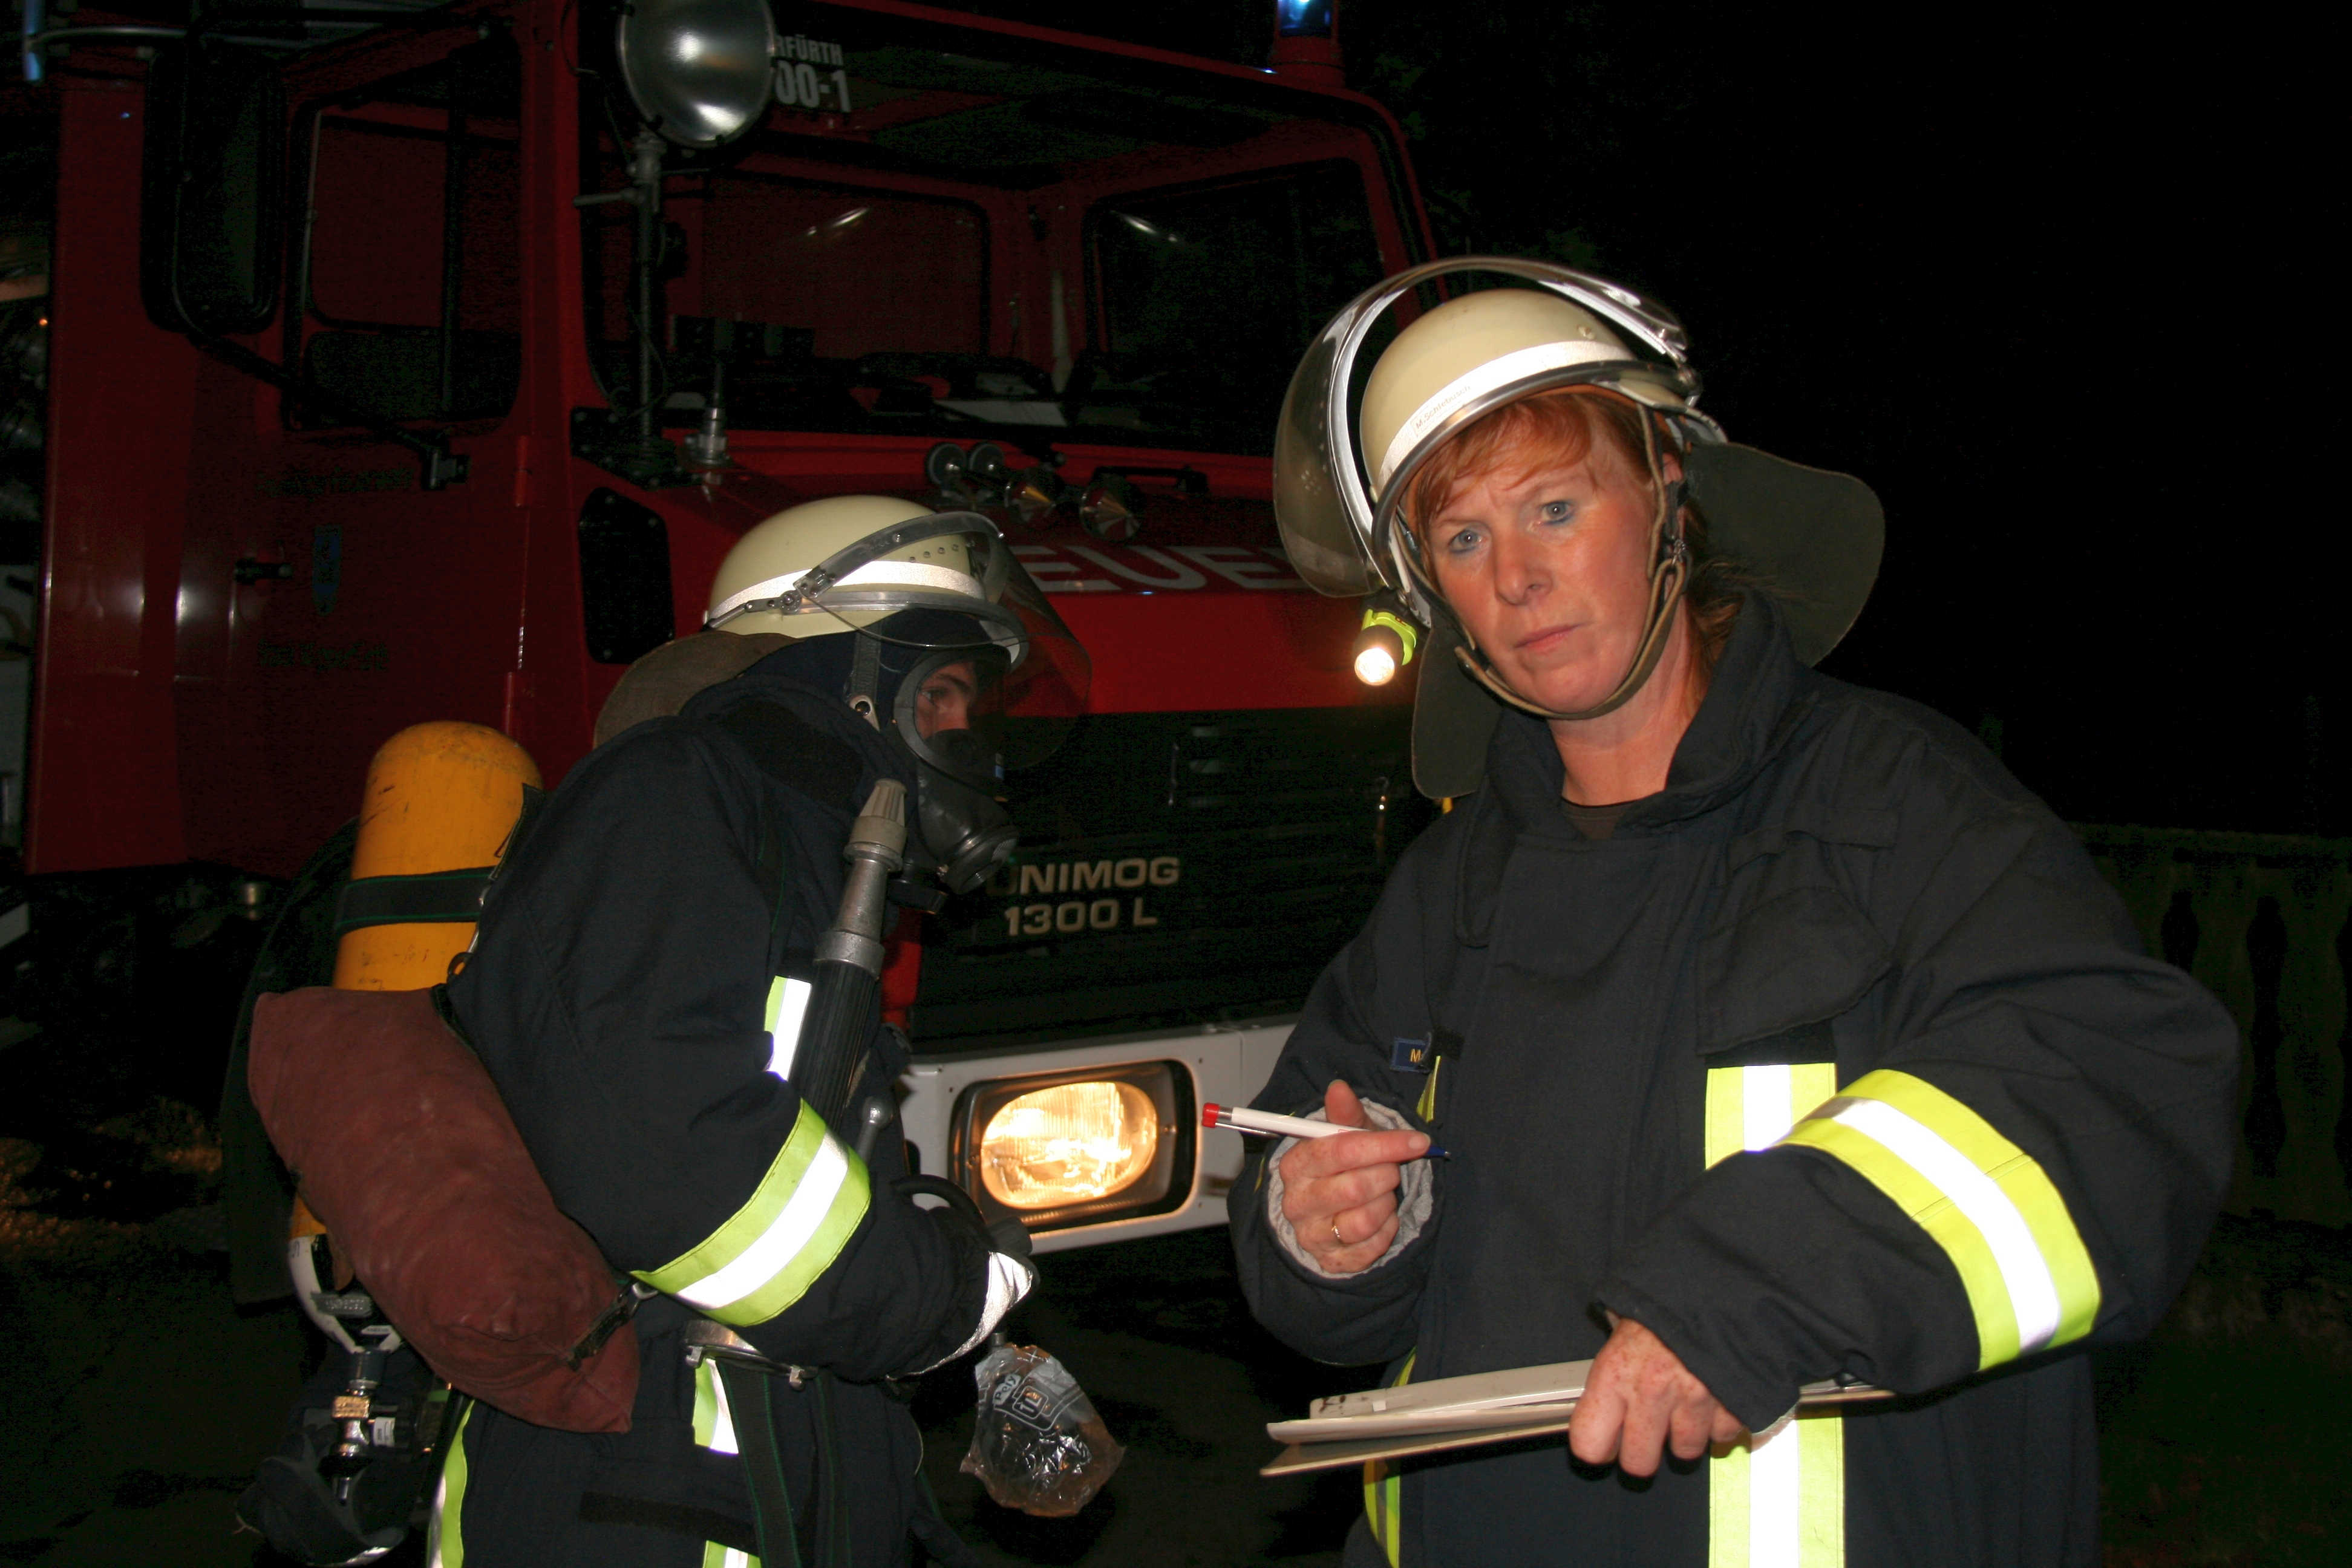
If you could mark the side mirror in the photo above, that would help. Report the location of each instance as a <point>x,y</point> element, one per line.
<point>210,221</point>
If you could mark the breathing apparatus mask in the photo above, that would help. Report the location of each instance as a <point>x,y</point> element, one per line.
<point>950,652</point>
<point>1345,465</point>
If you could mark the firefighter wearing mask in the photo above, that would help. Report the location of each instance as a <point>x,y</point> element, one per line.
<point>636,991</point>
<point>1776,1034</point>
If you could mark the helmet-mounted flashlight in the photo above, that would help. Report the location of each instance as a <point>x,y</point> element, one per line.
<point>1384,644</point>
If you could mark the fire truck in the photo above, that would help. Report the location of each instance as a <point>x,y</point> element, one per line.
<point>422,364</point>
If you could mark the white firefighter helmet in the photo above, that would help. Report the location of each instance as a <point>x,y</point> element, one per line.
<point>1342,474</point>
<point>916,585</point>
<point>1448,366</point>
<point>846,562</point>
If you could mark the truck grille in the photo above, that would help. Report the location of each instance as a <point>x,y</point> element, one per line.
<point>1173,869</point>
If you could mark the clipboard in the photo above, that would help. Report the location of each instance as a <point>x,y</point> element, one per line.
<point>1469,1411</point>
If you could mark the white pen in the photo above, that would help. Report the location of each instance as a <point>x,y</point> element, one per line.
<point>1266,1125</point>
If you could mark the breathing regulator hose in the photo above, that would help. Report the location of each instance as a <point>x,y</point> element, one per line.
<point>841,1000</point>
<point>849,965</point>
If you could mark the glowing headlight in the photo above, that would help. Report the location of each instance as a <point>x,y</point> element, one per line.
<point>1079,1146</point>
<point>1069,1144</point>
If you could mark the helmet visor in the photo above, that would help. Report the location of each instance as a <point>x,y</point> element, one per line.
<point>1326,546</point>
<point>1015,680</point>
<point>1028,696</point>
<point>1045,693</point>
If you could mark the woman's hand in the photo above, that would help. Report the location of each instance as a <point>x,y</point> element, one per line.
<point>1339,1193</point>
<point>1640,1399</point>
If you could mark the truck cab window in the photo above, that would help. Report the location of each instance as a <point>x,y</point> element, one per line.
<point>837,284</point>
<point>412,309</point>
<point>1208,297</point>
<point>937,243</point>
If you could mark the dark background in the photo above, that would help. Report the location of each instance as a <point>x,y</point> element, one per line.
<point>2051,283</point>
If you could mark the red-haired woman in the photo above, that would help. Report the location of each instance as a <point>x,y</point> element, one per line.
<point>1776,1034</point>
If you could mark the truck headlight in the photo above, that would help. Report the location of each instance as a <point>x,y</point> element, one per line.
<point>1069,1144</point>
<point>1079,1147</point>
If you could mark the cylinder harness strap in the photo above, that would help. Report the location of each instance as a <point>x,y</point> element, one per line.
<point>431,897</point>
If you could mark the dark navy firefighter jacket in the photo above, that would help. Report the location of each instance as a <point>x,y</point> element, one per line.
<point>622,993</point>
<point>1836,1057</point>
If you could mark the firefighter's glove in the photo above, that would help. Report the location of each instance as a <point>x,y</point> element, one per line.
<point>1010,1273</point>
<point>1007,1235</point>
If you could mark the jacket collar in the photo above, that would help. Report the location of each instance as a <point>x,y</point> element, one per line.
<point>820,710</point>
<point>1759,693</point>
<point>1739,726</point>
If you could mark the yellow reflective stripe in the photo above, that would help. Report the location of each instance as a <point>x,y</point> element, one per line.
<point>705,1405</point>
<point>444,1536</point>
<point>1724,1133</point>
<point>1426,1105</point>
<point>1753,1108</point>
<point>1383,1502</point>
<point>771,1250</point>
<point>1779,1500</point>
<point>1384,1491</point>
<point>714,1422</point>
<point>1727,1486</point>
<point>717,1556</point>
<point>1986,1202</point>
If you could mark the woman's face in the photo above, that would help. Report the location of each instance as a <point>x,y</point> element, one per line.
<point>1548,563</point>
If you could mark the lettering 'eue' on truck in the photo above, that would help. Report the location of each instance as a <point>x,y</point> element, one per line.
<point>422,382</point>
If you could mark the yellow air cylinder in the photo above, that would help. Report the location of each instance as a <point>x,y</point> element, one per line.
<point>440,797</point>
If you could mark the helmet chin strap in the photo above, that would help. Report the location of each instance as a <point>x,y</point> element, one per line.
<point>1669,573</point>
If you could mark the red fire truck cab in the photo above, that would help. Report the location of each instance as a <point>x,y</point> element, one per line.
<point>379,391</point>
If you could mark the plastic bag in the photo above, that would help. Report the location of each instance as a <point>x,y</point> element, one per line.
<point>1037,1442</point>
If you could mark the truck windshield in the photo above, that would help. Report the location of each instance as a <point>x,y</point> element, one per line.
<point>942,244</point>
<point>1208,297</point>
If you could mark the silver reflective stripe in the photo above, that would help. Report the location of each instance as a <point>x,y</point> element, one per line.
<point>1774,1473</point>
<point>1517,365</point>
<point>885,573</point>
<point>788,1001</point>
<point>1764,1109</point>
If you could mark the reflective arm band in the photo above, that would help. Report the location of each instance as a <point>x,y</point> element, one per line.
<point>1986,1204</point>
<point>766,1257</point>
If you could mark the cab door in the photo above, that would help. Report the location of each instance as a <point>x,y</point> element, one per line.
<point>351,600</point>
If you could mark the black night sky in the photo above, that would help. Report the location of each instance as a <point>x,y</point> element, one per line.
<point>2051,283</point>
